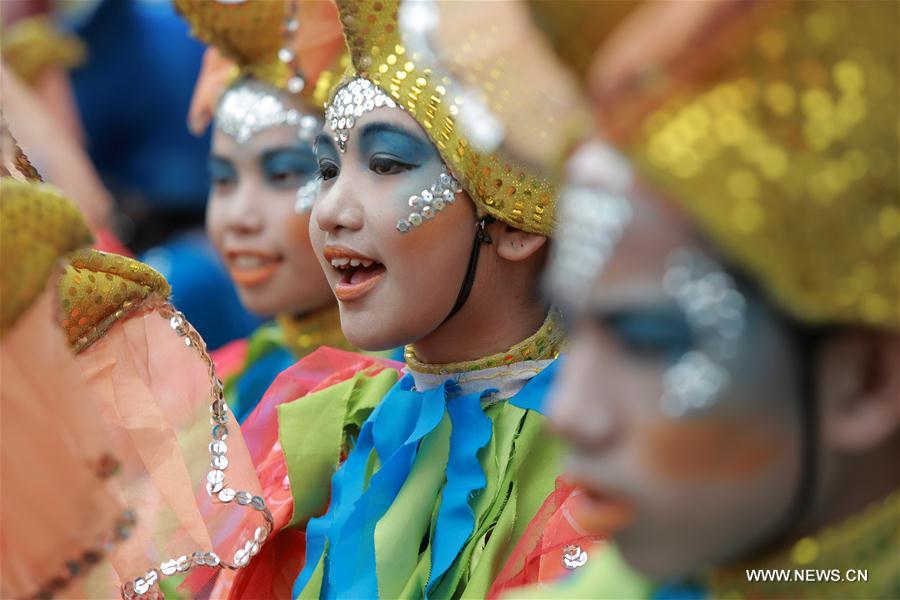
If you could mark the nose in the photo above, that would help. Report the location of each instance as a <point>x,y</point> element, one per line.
<point>243,209</point>
<point>337,206</point>
<point>581,410</point>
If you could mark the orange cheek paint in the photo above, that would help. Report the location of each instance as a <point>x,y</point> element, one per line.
<point>298,229</point>
<point>709,450</point>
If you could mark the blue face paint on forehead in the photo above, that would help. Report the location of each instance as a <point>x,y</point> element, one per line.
<point>396,142</point>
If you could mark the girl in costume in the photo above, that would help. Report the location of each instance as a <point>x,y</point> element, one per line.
<point>430,235</point>
<point>745,329</point>
<point>263,179</point>
<point>128,480</point>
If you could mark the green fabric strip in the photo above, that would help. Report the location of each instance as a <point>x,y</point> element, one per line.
<point>312,434</point>
<point>400,531</point>
<point>266,338</point>
<point>531,463</point>
<point>520,463</point>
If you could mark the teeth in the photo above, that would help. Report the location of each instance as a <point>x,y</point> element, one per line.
<point>246,261</point>
<point>348,263</point>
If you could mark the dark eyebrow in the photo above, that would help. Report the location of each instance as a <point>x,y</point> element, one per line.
<point>324,138</point>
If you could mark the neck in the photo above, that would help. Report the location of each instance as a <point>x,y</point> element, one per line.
<point>501,311</point>
<point>858,515</point>
<point>307,332</point>
<point>471,334</point>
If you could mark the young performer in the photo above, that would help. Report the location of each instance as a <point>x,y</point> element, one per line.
<point>731,393</point>
<point>430,236</point>
<point>262,181</point>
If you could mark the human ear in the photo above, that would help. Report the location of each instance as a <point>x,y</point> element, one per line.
<point>514,244</point>
<point>858,383</point>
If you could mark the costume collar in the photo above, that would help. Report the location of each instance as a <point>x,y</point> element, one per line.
<point>506,371</point>
<point>305,333</point>
<point>544,344</point>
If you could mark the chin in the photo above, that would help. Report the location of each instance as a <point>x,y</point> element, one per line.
<point>257,307</point>
<point>370,333</point>
<point>657,563</point>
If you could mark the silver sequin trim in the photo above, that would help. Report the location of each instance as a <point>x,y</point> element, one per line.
<point>357,97</point>
<point>147,585</point>
<point>251,107</point>
<point>591,223</point>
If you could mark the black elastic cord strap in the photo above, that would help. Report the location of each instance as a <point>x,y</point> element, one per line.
<point>481,237</point>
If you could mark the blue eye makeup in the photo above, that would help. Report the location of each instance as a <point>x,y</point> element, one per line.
<point>652,333</point>
<point>390,149</point>
<point>288,167</point>
<point>221,171</point>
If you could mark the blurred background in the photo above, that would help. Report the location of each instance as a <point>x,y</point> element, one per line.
<point>97,94</point>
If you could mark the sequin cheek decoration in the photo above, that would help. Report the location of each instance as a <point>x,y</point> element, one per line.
<point>716,311</point>
<point>307,193</point>
<point>591,223</point>
<point>427,203</point>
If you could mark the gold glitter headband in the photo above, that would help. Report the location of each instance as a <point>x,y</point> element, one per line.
<point>381,36</point>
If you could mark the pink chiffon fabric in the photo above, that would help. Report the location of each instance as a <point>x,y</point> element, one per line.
<point>318,370</point>
<point>154,393</point>
<point>139,397</point>
<point>53,506</point>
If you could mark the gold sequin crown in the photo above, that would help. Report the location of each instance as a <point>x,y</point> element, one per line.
<point>98,289</point>
<point>775,126</point>
<point>421,82</point>
<point>38,225</point>
<point>247,33</point>
<point>266,39</point>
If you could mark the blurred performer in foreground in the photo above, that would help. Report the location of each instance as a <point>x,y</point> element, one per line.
<point>263,178</point>
<point>116,471</point>
<point>732,390</point>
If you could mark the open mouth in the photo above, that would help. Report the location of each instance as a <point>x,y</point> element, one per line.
<point>359,274</point>
<point>599,512</point>
<point>248,268</point>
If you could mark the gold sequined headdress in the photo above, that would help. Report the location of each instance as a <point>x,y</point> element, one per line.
<point>290,45</point>
<point>775,126</point>
<point>383,37</point>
